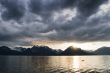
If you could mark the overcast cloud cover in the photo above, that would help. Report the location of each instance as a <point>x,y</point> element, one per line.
<point>22,21</point>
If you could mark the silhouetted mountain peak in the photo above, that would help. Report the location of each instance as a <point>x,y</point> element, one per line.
<point>103,51</point>
<point>71,48</point>
<point>42,50</point>
<point>103,48</point>
<point>4,48</point>
<point>72,51</point>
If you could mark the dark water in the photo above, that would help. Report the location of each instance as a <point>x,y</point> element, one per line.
<point>55,64</point>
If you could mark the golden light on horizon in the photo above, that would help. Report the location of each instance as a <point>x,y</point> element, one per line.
<point>65,44</point>
<point>55,44</point>
<point>46,42</point>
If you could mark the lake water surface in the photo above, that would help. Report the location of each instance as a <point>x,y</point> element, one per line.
<point>54,64</point>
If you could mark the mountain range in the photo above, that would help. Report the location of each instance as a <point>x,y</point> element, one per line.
<point>46,51</point>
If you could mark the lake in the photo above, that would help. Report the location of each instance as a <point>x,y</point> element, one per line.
<point>54,64</point>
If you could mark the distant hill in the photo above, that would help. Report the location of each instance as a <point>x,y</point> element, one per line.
<point>75,51</point>
<point>103,51</point>
<point>4,50</point>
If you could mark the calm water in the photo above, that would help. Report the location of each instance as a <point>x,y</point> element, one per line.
<point>54,64</point>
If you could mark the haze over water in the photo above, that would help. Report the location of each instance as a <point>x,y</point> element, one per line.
<point>54,64</point>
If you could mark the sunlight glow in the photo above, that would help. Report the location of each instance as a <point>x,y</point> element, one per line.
<point>64,45</point>
<point>105,7</point>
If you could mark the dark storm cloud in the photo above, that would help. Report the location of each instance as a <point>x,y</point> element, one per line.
<point>85,7</point>
<point>88,7</point>
<point>44,6</point>
<point>77,28</point>
<point>14,9</point>
<point>52,19</point>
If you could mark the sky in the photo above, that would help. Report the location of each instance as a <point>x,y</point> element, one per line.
<point>55,23</point>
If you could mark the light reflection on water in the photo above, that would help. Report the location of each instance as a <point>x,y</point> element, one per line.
<point>54,64</point>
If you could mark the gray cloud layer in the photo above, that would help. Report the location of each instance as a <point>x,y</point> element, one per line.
<point>14,9</point>
<point>22,20</point>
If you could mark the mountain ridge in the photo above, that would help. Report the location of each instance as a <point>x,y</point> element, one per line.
<point>47,51</point>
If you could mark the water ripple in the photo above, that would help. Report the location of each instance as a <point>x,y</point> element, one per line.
<point>63,70</point>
